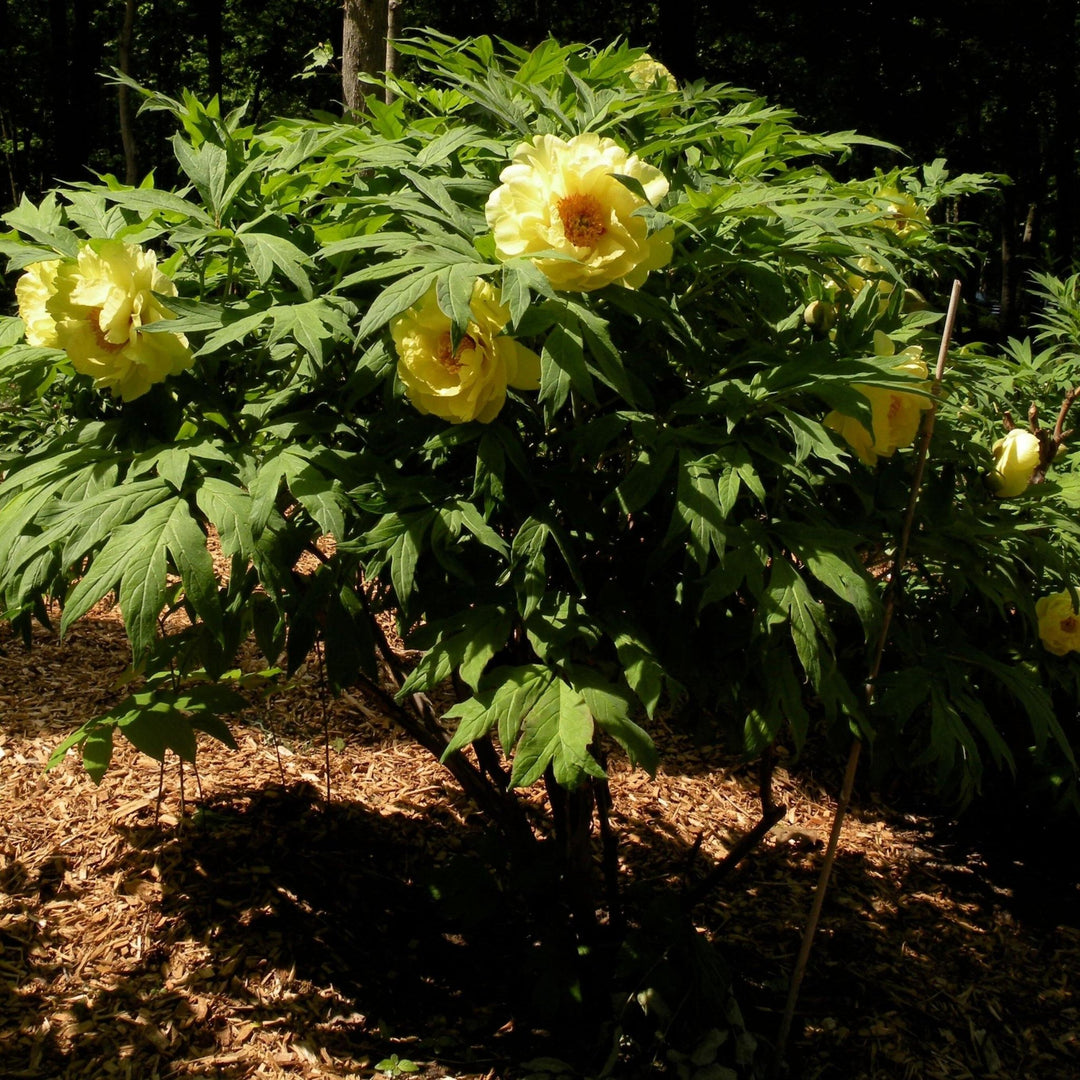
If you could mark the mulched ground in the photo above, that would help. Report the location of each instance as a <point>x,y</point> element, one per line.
<point>241,926</point>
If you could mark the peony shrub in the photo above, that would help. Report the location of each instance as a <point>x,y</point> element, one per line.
<point>608,390</point>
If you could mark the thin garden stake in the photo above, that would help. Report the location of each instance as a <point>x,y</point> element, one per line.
<point>853,757</point>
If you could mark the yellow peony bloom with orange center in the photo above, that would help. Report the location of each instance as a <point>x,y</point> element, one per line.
<point>895,414</point>
<point>469,382</point>
<point>1059,626</point>
<point>563,196</point>
<point>96,308</point>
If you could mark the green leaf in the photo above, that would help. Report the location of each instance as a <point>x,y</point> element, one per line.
<point>643,480</point>
<point>512,693</point>
<point>172,466</point>
<point>84,523</point>
<point>453,293</point>
<point>157,727</point>
<point>97,752</point>
<point>642,670</point>
<point>465,644</point>
<point>348,639</point>
<point>265,251</point>
<point>562,366</point>
<point>556,731</point>
<point>404,554</point>
<point>787,598</point>
<point>134,551</point>
<point>529,566</point>
<point>151,201</point>
<point>142,593</point>
<point>812,439</point>
<point>611,708</point>
<point>472,519</point>
<point>207,167</point>
<point>521,278</point>
<point>394,299</point>
<point>830,557</point>
<point>228,507</point>
<point>698,508</point>
<point>319,495</point>
<point>233,330</point>
<point>44,223</point>
<point>135,556</point>
<point>186,543</point>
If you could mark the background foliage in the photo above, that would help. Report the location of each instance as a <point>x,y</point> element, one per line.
<point>988,87</point>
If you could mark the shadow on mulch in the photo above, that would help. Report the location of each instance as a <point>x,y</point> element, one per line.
<point>400,934</point>
<point>399,938</point>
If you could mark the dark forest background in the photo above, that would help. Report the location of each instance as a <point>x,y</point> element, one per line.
<point>990,85</point>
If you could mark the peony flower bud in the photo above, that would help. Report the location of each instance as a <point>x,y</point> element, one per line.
<point>1059,626</point>
<point>564,197</point>
<point>819,315</point>
<point>1015,459</point>
<point>649,74</point>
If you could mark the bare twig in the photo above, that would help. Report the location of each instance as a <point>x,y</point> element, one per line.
<point>160,792</point>
<point>324,698</point>
<point>875,669</point>
<point>1050,442</point>
<point>771,813</point>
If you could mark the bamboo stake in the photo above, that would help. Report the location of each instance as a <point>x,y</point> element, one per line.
<point>844,799</point>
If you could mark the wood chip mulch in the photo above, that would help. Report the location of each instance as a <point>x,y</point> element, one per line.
<point>241,927</point>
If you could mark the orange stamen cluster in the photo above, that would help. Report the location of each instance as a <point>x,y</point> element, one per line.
<point>582,218</point>
<point>446,354</point>
<point>105,344</point>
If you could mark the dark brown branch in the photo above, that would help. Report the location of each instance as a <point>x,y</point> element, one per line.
<point>742,847</point>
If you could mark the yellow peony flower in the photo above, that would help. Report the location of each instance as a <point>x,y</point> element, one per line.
<point>901,212</point>
<point>895,414</point>
<point>1015,458</point>
<point>469,383</point>
<point>563,197</point>
<point>648,74</point>
<point>95,306</point>
<point>1059,627</point>
<point>32,291</point>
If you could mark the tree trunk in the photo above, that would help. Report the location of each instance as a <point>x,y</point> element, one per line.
<point>391,35</point>
<point>83,86</point>
<point>58,83</point>
<point>1008,267</point>
<point>363,47</point>
<point>127,133</point>
<point>1066,137</point>
<point>8,124</point>
<point>211,20</point>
